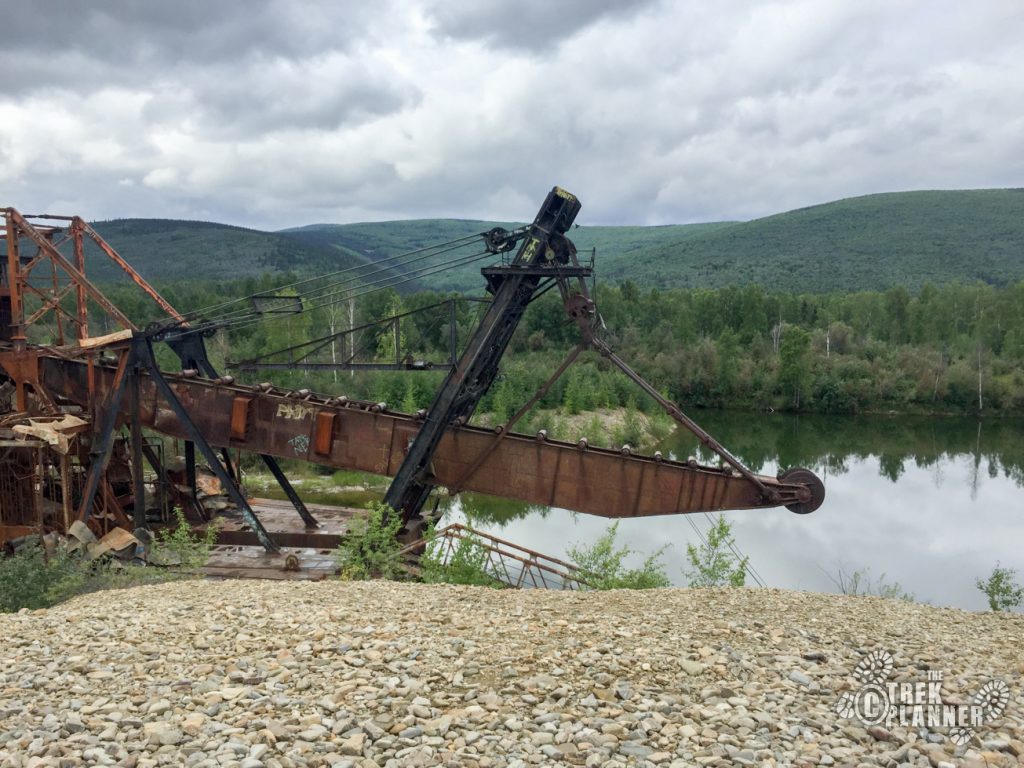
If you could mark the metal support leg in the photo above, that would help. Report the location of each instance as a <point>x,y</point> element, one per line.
<point>144,352</point>
<point>138,484</point>
<point>190,469</point>
<point>103,441</point>
<point>293,497</point>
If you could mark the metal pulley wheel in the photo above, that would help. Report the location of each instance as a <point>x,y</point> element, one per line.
<point>499,240</point>
<point>801,476</point>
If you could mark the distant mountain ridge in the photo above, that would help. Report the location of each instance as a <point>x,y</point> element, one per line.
<point>861,243</point>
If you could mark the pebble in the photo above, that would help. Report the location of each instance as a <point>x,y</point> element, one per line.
<point>352,675</point>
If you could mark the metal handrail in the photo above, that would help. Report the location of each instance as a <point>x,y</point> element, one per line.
<point>530,568</point>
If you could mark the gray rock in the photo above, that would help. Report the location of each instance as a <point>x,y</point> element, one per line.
<point>799,678</point>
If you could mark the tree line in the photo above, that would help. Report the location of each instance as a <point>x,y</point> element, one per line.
<point>953,348</point>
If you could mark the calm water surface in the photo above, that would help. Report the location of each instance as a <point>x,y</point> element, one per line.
<point>931,503</point>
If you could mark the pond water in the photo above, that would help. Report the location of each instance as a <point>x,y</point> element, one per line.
<point>930,503</point>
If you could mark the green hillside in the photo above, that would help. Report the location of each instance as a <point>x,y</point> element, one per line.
<point>872,242</point>
<point>862,243</point>
<point>167,249</point>
<point>378,240</point>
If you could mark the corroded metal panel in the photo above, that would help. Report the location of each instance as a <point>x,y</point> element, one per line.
<point>240,418</point>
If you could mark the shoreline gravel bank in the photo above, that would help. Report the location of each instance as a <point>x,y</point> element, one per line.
<point>274,674</point>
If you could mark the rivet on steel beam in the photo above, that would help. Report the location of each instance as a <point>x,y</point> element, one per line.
<point>657,456</point>
<point>691,461</point>
<point>421,414</point>
<point>582,444</point>
<point>542,435</point>
<point>626,450</point>
<point>190,373</point>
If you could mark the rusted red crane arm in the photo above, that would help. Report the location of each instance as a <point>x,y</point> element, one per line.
<point>358,435</point>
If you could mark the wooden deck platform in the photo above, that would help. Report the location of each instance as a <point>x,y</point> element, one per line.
<point>306,553</point>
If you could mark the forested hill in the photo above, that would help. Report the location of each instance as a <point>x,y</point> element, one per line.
<point>863,243</point>
<point>169,249</point>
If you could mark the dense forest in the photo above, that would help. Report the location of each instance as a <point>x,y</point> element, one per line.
<point>946,349</point>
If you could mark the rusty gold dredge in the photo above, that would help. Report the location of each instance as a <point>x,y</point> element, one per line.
<point>73,454</point>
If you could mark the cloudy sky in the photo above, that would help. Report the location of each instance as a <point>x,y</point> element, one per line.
<point>271,113</point>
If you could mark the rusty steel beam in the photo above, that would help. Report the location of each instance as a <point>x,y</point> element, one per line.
<point>363,436</point>
<point>135,277</point>
<point>81,303</point>
<point>17,321</point>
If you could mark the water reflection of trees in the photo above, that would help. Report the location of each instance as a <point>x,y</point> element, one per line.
<point>493,510</point>
<point>829,442</point>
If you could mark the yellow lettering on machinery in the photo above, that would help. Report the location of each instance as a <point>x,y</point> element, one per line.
<point>531,249</point>
<point>294,410</point>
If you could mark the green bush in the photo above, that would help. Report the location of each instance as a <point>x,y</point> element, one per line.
<point>30,579</point>
<point>1001,589</point>
<point>631,432</point>
<point>713,564</point>
<point>370,548</point>
<point>601,565</point>
<point>467,564</point>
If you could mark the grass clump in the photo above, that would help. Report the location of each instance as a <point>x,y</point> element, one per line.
<point>192,550</point>
<point>860,582</point>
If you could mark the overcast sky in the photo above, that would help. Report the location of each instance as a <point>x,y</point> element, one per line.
<point>271,114</point>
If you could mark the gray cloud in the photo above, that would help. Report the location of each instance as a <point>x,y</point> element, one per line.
<point>531,24</point>
<point>270,113</point>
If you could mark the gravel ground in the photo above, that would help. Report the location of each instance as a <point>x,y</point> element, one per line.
<point>308,674</point>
